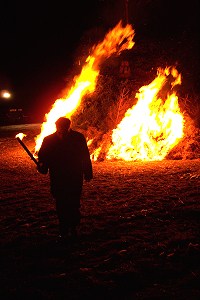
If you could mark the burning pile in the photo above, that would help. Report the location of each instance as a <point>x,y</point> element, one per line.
<point>149,130</point>
<point>152,127</point>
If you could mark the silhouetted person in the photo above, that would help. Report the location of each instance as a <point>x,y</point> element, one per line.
<point>66,156</point>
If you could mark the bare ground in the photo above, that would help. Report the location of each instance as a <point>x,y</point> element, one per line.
<point>138,238</point>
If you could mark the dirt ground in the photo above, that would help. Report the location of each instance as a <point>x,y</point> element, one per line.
<point>138,238</point>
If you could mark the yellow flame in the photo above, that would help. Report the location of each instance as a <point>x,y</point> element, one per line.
<point>94,156</point>
<point>152,127</point>
<point>118,39</point>
<point>20,135</point>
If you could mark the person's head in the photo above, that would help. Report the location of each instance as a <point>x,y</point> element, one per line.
<point>63,126</point>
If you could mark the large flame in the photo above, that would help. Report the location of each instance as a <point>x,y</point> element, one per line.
<point>118,39</point>
<point>152,127</point>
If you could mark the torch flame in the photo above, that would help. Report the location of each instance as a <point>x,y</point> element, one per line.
<point>152,127</point>
<point>118,39</point>
<point>20,135</point>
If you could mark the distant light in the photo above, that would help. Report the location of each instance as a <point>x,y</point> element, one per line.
<point>5,94</point>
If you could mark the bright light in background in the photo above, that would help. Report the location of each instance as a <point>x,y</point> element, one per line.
<point>5,94</point>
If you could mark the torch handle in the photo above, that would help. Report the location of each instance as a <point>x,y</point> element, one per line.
<point>28,152</point>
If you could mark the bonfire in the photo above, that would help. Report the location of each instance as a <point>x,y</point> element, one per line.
<point>149,130</point>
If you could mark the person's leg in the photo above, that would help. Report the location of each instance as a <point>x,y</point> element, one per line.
<point>74,195</point>
<point>68,211</point>
<point>74,220</point>
<point>62,216</point>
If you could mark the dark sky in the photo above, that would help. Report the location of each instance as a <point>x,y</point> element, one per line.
<point>39,38</point>
<point>37,42</point>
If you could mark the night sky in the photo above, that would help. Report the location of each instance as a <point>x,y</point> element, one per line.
<point>39,39</point>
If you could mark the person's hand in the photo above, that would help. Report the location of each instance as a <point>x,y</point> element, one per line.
<point>42,168</point>
<point>87,179</point>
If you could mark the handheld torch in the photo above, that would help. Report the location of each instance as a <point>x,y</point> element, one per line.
<point>19,138</point>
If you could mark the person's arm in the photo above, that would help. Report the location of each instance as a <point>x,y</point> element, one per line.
<point>87,164</point>
<point>42,158</point>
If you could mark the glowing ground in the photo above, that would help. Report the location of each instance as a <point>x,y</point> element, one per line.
<point>138,238</point>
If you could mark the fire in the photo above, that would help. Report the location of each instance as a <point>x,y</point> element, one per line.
<point>20,135</point>
<point>152,127</point>
<point>118,39</point>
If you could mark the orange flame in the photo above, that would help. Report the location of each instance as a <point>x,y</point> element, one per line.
<point>117,40</point>
<point>152,127</point>
<point>20,135</point>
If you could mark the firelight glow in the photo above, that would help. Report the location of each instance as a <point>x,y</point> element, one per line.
<point>118,39</point>
<point>152,127</point>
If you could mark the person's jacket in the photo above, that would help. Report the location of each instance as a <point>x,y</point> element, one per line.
<point>67,160</point>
